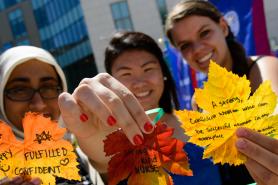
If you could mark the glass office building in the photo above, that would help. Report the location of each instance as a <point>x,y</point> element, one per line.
<point>55,25</point>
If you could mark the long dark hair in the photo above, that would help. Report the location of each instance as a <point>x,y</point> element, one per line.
<point>204,8</point>
<point>127,41</point>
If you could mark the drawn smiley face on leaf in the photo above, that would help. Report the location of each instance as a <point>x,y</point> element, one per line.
<point>64,162</point>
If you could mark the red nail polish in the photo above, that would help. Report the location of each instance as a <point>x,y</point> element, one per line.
<point>138,140</point>
<point>163,126</point>
<point>83,117</point>
<point>148,126</point>
<point>111,120</point>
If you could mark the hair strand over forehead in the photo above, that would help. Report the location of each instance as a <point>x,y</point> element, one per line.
<point>188,8</point>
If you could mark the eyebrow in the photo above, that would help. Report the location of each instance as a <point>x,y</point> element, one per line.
<point>149,62</point>
<point>23,79</point>
<point>143,65</point>
<point>199,30</point>
<point>48,78</point>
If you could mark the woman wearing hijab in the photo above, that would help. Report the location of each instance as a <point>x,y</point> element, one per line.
<point>31,80</point>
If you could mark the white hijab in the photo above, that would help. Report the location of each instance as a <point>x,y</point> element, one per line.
<point>16,56</point>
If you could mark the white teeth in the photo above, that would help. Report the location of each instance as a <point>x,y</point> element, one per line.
<point>142,94</point>
<point>205,58</point>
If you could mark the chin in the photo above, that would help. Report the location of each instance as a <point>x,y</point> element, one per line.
<point>149,107</point>
<point>202,70</point>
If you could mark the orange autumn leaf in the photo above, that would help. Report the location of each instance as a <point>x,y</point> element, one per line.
<point>43,153</point>
<point>149,163</point>
<point>227,105</point>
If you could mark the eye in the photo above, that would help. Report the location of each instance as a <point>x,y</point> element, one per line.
<point>19,90</point>
<point>205,33</point>
<point>49,92</point>
<point>148,69</point>
<point>125,74</point>
<point>185,46</point>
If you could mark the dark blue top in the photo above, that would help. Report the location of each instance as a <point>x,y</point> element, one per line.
<point>204,172</point>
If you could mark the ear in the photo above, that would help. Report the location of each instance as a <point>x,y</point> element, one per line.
<point>224,26</point>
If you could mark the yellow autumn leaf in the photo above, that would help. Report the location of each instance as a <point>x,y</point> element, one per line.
<point>43,153</point>
<point>227,105</point>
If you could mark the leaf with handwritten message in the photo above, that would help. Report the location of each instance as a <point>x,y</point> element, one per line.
<point>43,153</point>
<point>227,105</point>
<point>149,163</point>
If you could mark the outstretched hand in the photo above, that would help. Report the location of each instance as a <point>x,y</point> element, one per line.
<point>262,154</point>
<point>98,106</point>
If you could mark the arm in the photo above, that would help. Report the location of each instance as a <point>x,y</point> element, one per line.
<point>97,107</point>
<point>266,68</point>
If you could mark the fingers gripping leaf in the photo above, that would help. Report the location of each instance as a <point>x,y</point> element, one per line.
<point>227,106</point>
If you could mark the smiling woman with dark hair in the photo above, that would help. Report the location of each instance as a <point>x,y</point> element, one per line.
<point>200,32</point>
<point>127,42</point>
<point>140,81</point>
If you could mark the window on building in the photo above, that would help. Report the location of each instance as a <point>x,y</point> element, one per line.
<point>9,3</point>
<point>2,5</point>
<point>121,16</point>
<point>17,23</point>
<point>162,7</point>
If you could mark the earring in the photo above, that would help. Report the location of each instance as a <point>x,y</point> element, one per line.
<point>164,78</point>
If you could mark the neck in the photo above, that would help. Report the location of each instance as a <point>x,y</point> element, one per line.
<point>229,62</point>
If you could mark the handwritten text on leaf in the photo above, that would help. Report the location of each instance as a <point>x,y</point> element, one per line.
<point>227,105</point>
<point>43,153</point>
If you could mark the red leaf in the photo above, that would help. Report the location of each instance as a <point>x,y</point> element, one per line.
<point>148,163</point>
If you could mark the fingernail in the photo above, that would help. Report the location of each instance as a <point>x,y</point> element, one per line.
<point>241,143</point>
<point>83,117</point>
<point>241,132</point>
<point>138,140</point>
<point>163,126</point>
<point>17,180</point>
<point>148,126</point>
<point>111,120</point>
<point>36,181</point>
<point>4,180</point>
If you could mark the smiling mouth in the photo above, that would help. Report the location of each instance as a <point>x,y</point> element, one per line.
<point>142,94</point>
<point>205,58</point>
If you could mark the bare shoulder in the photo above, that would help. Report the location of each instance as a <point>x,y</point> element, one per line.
<point>265,60</point>
<point>266,68</point>
<point>266,65</point>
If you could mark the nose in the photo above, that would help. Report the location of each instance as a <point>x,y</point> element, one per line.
<point>197,47</point>
<point>37,104</point>
<point>138,82</point>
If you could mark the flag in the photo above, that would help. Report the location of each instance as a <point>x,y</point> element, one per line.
<point>185,78</point>
<point>247,21</point>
